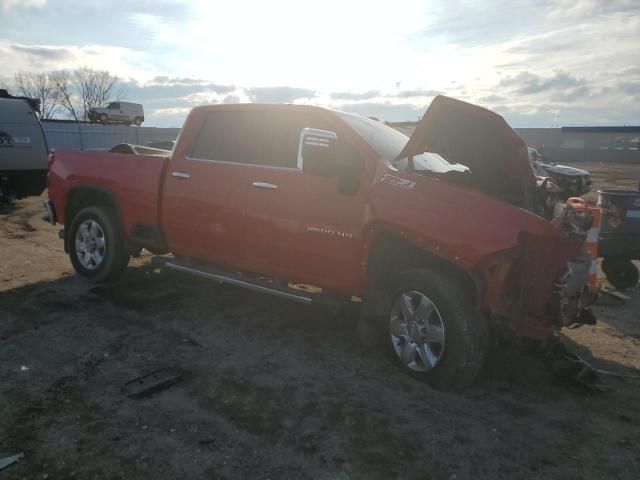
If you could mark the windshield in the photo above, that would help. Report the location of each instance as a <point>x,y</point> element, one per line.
<point>388,143</point>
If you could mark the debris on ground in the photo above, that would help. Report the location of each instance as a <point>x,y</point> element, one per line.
<point>569,366</point>
<point>5,462</point>
<point>586,317</point>
<point>150,383</point>
<point>612,297</point>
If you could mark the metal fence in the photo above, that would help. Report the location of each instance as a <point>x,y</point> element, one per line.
<point>86,136</point>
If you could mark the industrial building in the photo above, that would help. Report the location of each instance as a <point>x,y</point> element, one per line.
<point>585,144</point>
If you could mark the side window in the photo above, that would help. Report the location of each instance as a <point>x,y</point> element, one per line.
<point>286,140</point>
<point>235,136</point>
<point>263,137</point>
<point>114,106</point>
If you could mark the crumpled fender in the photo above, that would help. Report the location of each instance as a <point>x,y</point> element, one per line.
<point>522,284</point>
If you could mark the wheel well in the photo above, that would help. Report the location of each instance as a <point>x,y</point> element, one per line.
<point>81,197</point>
<point>391,254</point>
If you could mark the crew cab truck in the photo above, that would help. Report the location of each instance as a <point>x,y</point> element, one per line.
<point>436,233</point>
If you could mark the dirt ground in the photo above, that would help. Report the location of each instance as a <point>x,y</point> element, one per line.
<point>272,389</point>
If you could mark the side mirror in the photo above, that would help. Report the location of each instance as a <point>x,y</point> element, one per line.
<point>317,152</point>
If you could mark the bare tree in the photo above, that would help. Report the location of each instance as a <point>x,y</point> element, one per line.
<point>83,88</point>
<point>39,85</point>
<point>95,88</point>
<point>65,92</point>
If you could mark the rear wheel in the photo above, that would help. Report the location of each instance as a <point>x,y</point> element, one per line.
<point>138,121</point>
<point>97,248</point>
<point>620,272</point>
<point>431,331</point>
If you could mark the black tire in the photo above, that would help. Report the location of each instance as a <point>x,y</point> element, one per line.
<point>138,121</point>
<point>466,340</point>
<point>103,119</point>
<point>620,272</point>
<point>115,255</point>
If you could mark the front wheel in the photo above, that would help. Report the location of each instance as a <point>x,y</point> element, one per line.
<point>432,332</point>
<point>97,248</point>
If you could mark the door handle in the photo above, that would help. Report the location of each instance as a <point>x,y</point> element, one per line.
<point>264,185</point>
<point>180,175</point>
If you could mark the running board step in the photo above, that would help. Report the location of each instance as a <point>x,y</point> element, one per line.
<point>258,285</point>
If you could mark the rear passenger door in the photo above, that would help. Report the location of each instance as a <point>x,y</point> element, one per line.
<point>204,201</point>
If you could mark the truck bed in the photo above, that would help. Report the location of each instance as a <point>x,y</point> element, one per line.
<point>134,182</point>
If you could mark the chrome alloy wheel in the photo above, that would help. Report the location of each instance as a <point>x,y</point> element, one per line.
<point>90,244</point>
<point>417,331</point>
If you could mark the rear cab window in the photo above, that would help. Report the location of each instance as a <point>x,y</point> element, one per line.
<point>233,136</point>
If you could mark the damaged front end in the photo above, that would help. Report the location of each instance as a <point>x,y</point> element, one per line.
<point>539,284</point>
<point>542,284</point>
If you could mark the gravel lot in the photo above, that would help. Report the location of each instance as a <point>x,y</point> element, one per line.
<point>272,389</point>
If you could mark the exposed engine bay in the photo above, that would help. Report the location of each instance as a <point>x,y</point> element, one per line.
<point>574,220</point>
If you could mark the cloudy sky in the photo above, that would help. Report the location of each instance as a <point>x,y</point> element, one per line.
<point>537,62</point>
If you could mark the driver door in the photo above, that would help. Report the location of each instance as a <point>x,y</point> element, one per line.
<point>300,227</point>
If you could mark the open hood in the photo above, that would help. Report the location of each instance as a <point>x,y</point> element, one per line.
<point>481,140</point>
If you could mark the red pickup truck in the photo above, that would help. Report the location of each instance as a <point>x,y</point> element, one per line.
<point>436,234</point>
